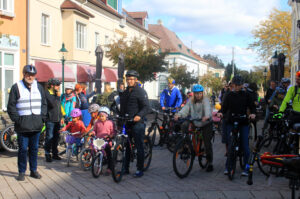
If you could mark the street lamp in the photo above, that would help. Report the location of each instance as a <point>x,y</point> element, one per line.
<point>274,67</point>
<point>265,73</point>
<point>63,50</point>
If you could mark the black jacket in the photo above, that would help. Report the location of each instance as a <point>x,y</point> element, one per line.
<point>269,94</point>
<point>134,103</point>
<point>27,124</point>
<point>54,108</point>
<point>237,103</point>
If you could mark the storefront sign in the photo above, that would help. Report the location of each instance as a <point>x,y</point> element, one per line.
<point>9,42</point>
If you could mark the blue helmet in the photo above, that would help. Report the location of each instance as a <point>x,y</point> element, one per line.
<point>198,88</point>
<point>280,90</point>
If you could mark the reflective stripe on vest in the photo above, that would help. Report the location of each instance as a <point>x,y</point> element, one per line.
<point>30,101</point>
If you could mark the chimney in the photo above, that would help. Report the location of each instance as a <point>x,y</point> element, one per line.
<point>159,22</point>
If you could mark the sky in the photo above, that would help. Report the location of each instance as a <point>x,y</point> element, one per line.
<point>212,26</point>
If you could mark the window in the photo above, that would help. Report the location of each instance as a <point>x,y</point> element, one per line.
<point>45,29</point>
<point>113,4</point>
<point>81,35</point>
<point>106,42</point>
<point>8,59</point>
<point>97,39</point>
<point>217,74</point>
<point>7,6</point>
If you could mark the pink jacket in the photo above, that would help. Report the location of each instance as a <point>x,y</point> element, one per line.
<point>103,129</point>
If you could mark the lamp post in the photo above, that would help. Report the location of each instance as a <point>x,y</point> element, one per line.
<point>265,73</point>
<point>63,50</point>
<point>274,67</point>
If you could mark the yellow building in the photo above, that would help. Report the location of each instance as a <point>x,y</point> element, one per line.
<point>81,25</point>
<point>13,48</point>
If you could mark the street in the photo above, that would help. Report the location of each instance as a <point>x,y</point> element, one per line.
<point>160,181</point>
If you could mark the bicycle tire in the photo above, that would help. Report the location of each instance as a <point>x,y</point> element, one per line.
<point>231,162</point>
<point>147,152</point>
<point>183,151</point>
<point>242,161</point>
<point>97,165</point>
<point>172,141</point>
<point>68,154</point>
<point>118,158</point>
<point>263,168</point>
<point>152,134</point>
<point>85,158</point>
<point>8,138</point>
<point>202,158</point>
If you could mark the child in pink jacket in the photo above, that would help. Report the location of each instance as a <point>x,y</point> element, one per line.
<point>104,128</point>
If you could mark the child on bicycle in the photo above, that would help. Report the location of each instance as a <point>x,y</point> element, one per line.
<point>104,128</point>
<point>94,111</point>
<point>76,125</point>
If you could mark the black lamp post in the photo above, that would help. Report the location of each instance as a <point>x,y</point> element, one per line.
<point>274,67</point>
<point>265,73</point>
<point>63,50</point>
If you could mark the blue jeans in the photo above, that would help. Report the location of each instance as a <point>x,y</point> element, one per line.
<point>266,118</point>
<point>244,133</point>
<point>30,142</point>
<point>52,137</point>
<point>137,133</point>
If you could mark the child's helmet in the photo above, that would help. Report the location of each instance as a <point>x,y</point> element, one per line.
<point>93,108</point>
<point>76,112</point>
<point>218,106</point>
<point>104,109</point>
<point>197,88</point>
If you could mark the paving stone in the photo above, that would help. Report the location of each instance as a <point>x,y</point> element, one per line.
<point>238,194</point>
<point>153,195</point>
<point>267,194</point>
<point>124,196</point>
<point>288,194</point>
<point>182,195</point>
<point>210,194</point>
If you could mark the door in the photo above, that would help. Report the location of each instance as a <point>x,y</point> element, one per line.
<point>7,75</point>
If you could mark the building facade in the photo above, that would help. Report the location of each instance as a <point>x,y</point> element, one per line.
<point>13,41</point>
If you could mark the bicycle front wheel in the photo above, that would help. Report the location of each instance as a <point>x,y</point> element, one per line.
<point>147,152</point>
<point>8,139</point>
<point>85,158</point>
<point>231,161</point>
<point>68,155</point>
<point>202,157</point>
<point>97,165</point>
<point>183,158</point>
<point>118,162</point>
<point>152,135</point>
<point>266,146</point>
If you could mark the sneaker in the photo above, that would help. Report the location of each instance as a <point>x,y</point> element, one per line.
<point>209,168</point>
<point>48,158</point>
<point>21,177</point>
<point>35,174</point>
<point>138,174</point>
<point>226,172</point>
<point>56,157</point>
<point>244,173</point>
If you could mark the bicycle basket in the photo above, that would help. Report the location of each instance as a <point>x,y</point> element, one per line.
<point>70,139</point>
<point>99,143</point>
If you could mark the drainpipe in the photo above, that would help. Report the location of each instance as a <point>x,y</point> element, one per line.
<point>27,34</point>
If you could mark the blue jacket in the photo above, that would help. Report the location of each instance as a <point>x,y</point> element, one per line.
<point>171,99</point>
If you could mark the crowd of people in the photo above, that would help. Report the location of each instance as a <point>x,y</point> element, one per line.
<point>30,106</point>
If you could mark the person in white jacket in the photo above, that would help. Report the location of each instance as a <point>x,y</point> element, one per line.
<point>199,110</point>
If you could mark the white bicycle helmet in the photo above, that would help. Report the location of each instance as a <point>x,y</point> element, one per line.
<point>104,109</point>
<point>93,108</point>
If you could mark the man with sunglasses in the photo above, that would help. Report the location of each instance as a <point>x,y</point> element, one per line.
<point>294,95</point>
<point>53,122</point>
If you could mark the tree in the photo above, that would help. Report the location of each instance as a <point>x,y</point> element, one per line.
<point>228,71</point>
<point>215,59</point>
<point>182,77</point>
<point>139,56</point>
<point>209,80</point>
<point>273,34</point>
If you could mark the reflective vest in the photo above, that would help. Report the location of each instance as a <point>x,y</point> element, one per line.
<point>30,101</point>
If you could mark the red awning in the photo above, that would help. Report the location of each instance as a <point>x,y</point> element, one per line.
<point>87,73</point>
<point>47,70</point>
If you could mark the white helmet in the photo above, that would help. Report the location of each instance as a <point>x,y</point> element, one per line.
<point>69,85</point>
<point>104,109</point>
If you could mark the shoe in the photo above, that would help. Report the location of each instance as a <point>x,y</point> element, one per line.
<point>138,174</point>
<point>48,158</point>
<point>244,173</point>
<point>209,168</point>
<point>226,172</point>
<point>56,157</point>
<point>21,177</point>
<point>35,174</point>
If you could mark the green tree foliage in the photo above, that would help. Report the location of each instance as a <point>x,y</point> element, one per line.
<point>139,56</point>
<point>210,81</point>
<point>182,77</point>
<point>228,71</point>
<point>214,58</point>
<point>272,34</point>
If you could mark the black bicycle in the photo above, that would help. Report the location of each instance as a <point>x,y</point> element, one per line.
<point>125,139</point>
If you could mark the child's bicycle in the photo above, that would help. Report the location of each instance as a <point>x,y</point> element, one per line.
<point>99,156</point>
<point>189,146</point>
<point>72,148</point>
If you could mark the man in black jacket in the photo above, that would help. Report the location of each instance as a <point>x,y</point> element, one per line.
<point>27,107</point>
<point>134,102</point>
<point>53,119</point>
<point>269,93</point>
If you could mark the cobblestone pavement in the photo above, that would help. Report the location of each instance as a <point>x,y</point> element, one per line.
<point>159,182</point>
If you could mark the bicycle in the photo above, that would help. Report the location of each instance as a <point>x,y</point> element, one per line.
<point>124,139</point>
<point>9,138</point>
<point>190,145</point>
<point>72,148</point>
<point>235,149</point>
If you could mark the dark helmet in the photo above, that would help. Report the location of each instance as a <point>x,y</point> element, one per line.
<point>29,69</point>
<point>285,80</point>
<point>54,81</point>
<point>237,80</point>
<point>132,73</point>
